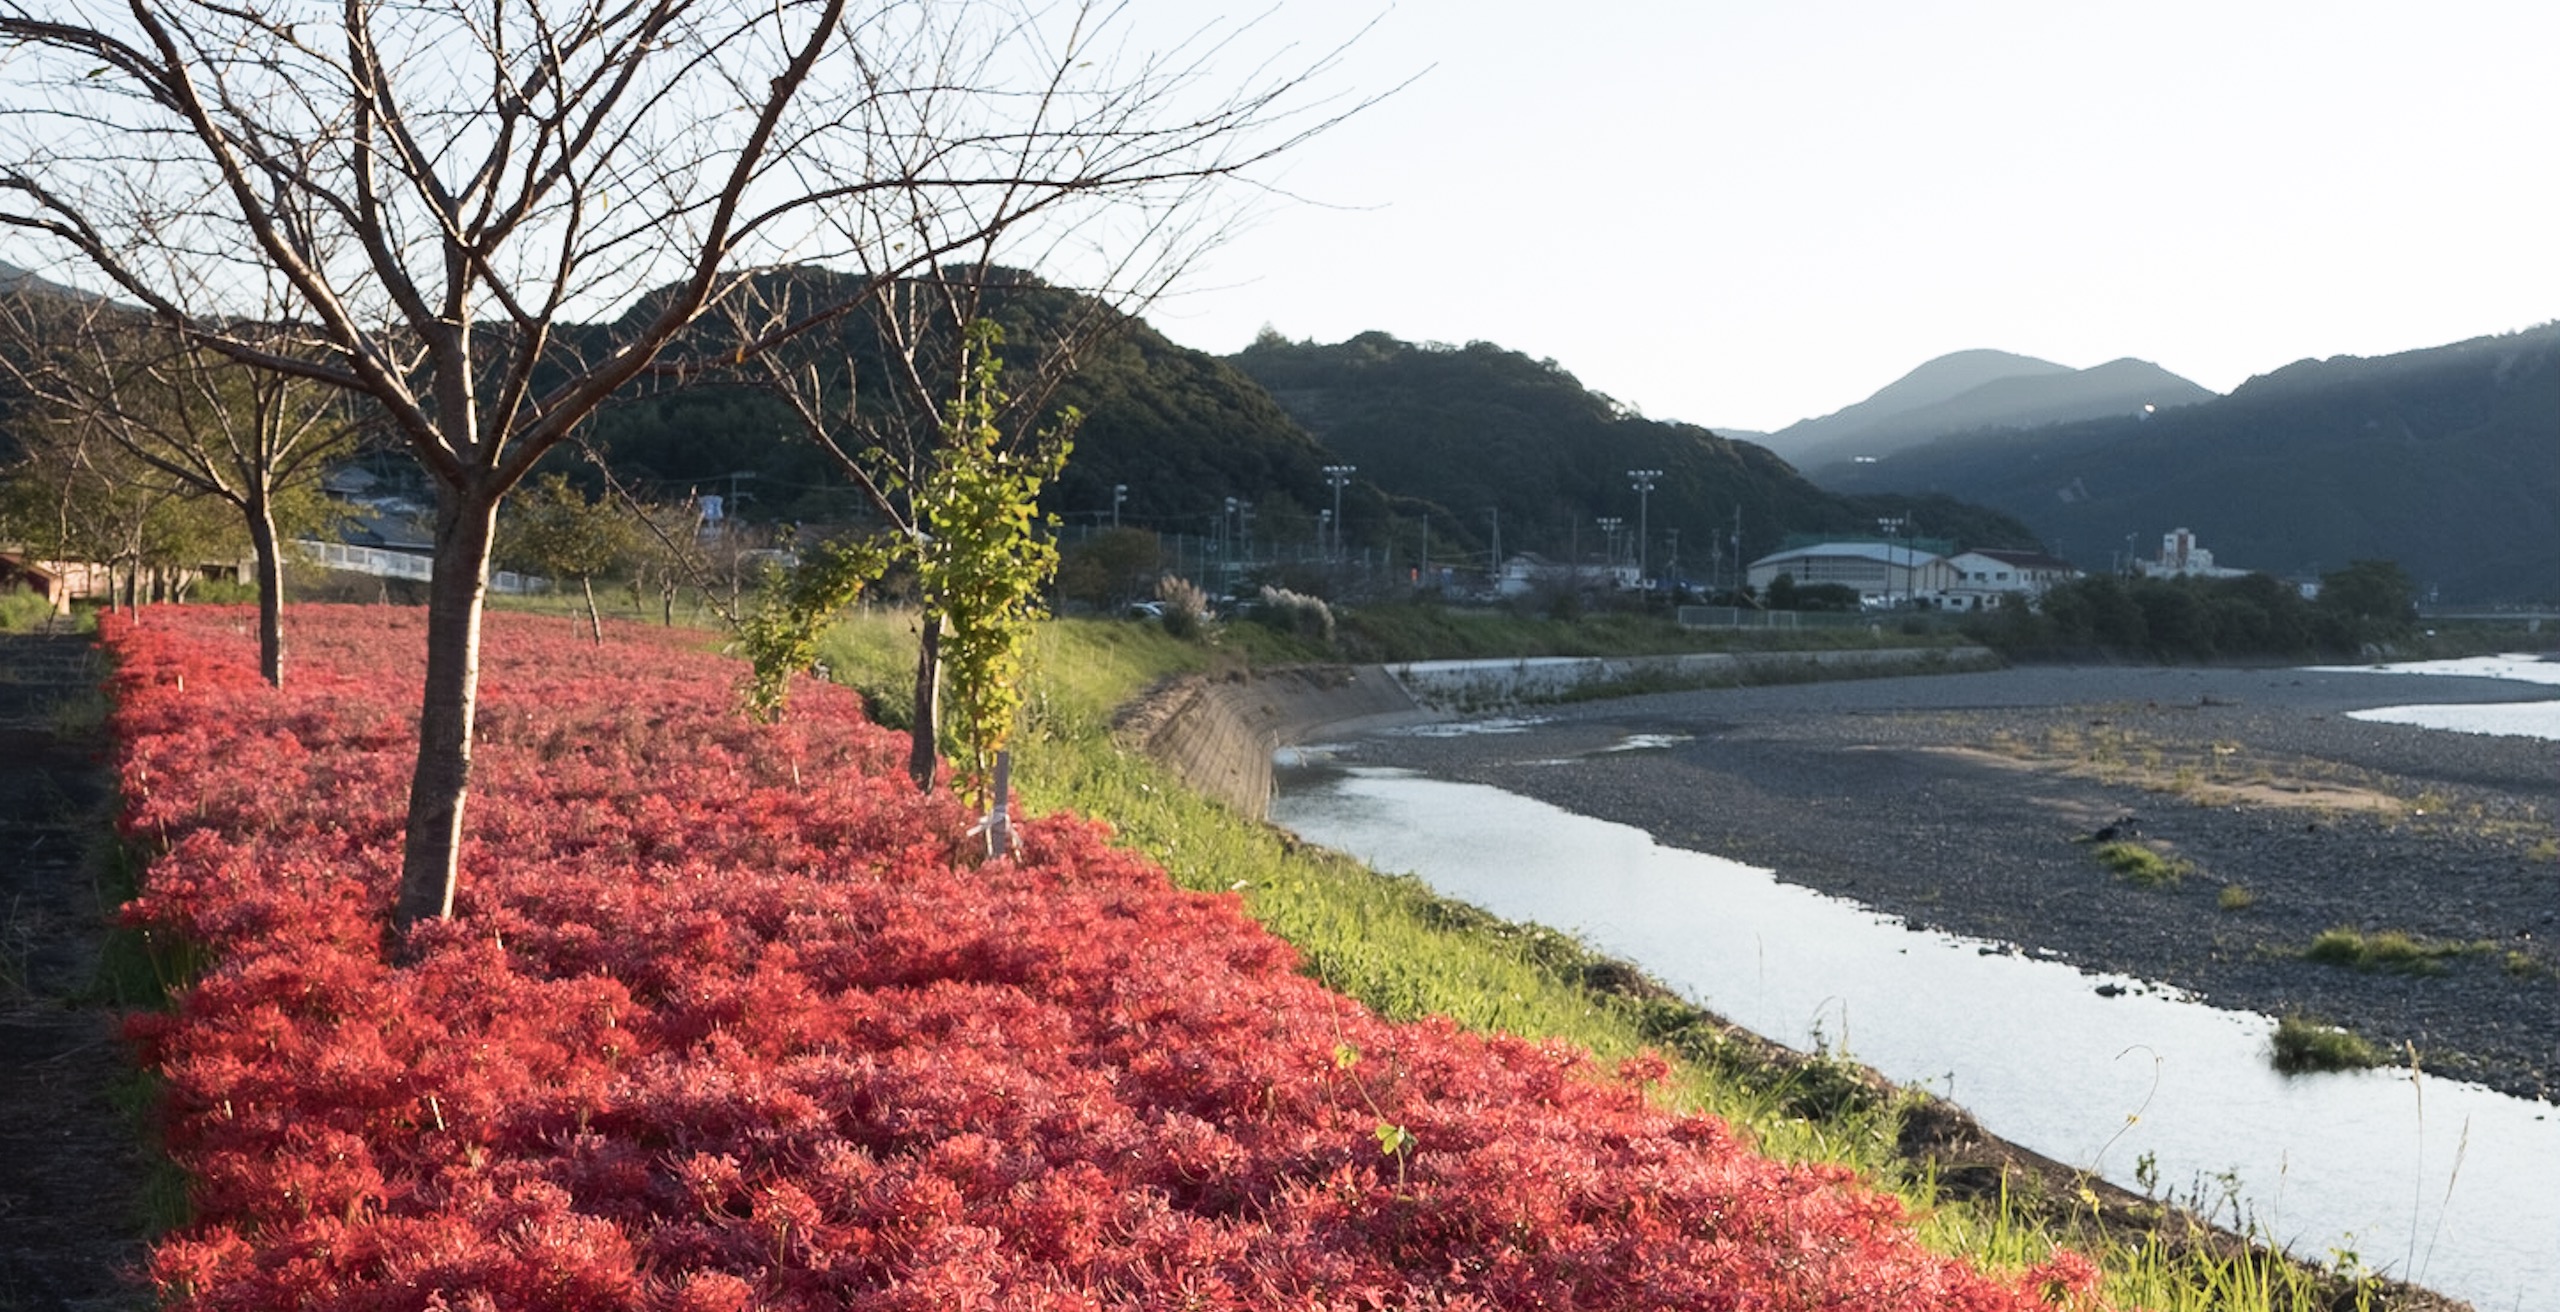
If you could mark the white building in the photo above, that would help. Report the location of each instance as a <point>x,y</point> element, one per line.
<point>1987,580</point>
<point>1882,573</point>
<point>2182,557</point>
<point>1529,572</point>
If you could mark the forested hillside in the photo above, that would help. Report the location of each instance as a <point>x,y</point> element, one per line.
<point>1454,447</point>
<point>1477,428</point>
<point>1181,429</point>
<point>2445,460</point>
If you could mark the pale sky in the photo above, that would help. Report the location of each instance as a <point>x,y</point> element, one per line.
<point>1743,214</point>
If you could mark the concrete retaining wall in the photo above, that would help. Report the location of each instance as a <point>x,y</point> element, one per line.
<point>1476,685</point>
<point>1218,734</point>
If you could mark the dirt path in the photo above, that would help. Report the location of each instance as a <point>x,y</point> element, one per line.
<point>71,1173</point>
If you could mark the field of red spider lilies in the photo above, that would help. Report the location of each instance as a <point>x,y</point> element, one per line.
<point>726,1019</point>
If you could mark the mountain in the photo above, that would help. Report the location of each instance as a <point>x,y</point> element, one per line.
<point>1182,430</point>
<point>1978,389</point>
<point>1474,430</point>
<point>14,279</point>
<point>2446,460</point>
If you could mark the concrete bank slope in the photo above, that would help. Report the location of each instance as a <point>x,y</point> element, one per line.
<point>1471,685</point>
<point>1218,734</point>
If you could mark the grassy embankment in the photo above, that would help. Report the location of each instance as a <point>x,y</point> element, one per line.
<point>1405,952</point>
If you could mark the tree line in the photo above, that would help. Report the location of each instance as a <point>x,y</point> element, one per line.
<point>2370,602</point>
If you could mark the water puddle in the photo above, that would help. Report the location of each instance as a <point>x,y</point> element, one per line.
<point>2449,1185</point>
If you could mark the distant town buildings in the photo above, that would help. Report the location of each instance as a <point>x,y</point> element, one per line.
<point>1935,576</point>
<point>1529,572</point>
<point>1894,574</point>
<point>2182,557</point>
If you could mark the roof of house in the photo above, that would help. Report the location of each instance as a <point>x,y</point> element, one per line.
<point>1882,553</point>
<point>2023,559</point>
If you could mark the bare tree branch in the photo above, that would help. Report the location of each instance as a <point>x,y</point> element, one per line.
<point>431,190</point>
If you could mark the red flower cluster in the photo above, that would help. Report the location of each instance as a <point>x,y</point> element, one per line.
<point>722,1023</point>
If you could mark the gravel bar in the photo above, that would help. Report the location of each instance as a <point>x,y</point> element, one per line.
<point>1975,803</point>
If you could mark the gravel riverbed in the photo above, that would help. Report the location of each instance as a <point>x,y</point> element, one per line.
<point>1969,802</point>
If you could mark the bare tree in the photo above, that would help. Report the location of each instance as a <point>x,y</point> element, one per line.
<point>194,422</point>
<point>440,188</point>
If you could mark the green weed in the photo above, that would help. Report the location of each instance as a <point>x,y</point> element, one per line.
<point>2385,950</point>
<point>26,612</point>
<point>2235,898</point>
<point>2141,866</point>
<point>2304,1045</point>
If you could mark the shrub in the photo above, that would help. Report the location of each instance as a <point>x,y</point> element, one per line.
<point>2304,1045</point>
<point>1295,612</point>
<point>1186,607</point>
<point>22,612</point>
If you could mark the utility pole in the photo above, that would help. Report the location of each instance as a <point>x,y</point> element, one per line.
<point>1337,475</point>
<point>1642,480</point>
<point>1892,526</point>
<point>1226,545</point>
<point>1119,493</point>
<point>1740,575</point>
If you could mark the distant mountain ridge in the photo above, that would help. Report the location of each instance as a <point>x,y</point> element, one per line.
<point>2446,460</point>
<point>1475,435</point>
<point>1978,389</point>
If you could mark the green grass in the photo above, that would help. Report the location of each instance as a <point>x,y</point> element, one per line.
<point>1405,952</point>
<point>2304,1045</point>
<point>2235,897</point>
<point>2140,865</point>
<point>2387,950</point>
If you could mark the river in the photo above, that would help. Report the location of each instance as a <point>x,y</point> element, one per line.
<point>2446,1184</point>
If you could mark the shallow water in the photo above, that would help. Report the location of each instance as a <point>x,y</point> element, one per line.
<point>2517,719</point>
<point>2446,1184</point>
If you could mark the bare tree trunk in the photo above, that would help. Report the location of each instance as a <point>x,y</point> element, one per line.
<point>923,737</point>
<point>430,860</point>
<point>262,542</point>
<point>595,622</point>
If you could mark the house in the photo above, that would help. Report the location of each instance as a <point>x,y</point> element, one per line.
<point>1883,573</point>
<point>1987,579</point>
<point>59,582</point>
<point>1528,572</point>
